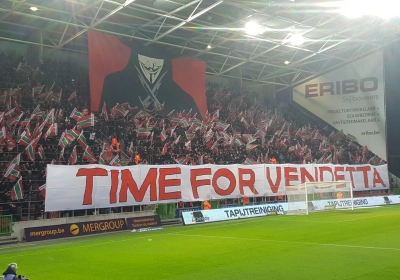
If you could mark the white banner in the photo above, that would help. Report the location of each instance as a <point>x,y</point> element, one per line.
<point>224,214</point>
<point>233,213</point>
<point>351,99</point>
<point>100,186</point>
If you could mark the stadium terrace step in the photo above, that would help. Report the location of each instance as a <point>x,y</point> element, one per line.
<point>171,222</point>
<point>5,240</point>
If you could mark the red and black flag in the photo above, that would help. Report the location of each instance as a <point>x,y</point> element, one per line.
<point>144,76</point>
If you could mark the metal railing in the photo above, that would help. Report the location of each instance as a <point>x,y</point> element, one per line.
<point>6,223</point>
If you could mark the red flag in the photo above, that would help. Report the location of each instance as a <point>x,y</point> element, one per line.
<point>75,114</point>
<point>165,149</point>
<point>73,157</point>
<point>42,190</point>
<point>86,121</point>
<point>104,112</point>
<point>72,96</point>
<point>41,152</point>
<point>17,192</point>
<point>52,131</point>
<point>88,155</point>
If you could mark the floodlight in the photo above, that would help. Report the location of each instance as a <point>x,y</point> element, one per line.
<point>253,28</point>
<point>359,8</point>
<point>287,62</point>
<point>209,46</point>
<point>296,39</point>
<point>34,9</point>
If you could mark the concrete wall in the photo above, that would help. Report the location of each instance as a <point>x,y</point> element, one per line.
<point>18,227</point>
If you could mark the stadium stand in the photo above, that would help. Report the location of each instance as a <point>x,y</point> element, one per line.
<point>51,125</point>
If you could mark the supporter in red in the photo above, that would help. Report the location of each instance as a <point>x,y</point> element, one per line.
<point>116,146</point>
<point>206,205</point>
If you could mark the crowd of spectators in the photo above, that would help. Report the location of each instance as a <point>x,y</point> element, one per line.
<point>47,105</point>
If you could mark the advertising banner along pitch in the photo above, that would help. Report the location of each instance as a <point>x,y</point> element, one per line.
<point>233,213</point>
<point>351,99</point>
<point>74,229</point>
<point>100,186</point>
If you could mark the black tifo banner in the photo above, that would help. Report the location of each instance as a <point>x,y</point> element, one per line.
<point>91,227</point>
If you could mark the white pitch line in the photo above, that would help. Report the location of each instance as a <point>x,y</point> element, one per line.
<point>288,242</point>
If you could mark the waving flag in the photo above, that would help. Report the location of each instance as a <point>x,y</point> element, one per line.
<point>13,174</point>
<point>104,112</point>
<point>116,161</point>
<point>73,157</point>
<point>72,95</point>
<point>88,155</point>
<point>82,140</point>
<point>75,114</point>
<point>17,192</point>
<point>163,135</point>
<point>41,152</point>
<point>86,121</point>
<point>131,149</point>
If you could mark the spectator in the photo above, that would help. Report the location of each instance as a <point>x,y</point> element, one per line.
<point>207,205</point>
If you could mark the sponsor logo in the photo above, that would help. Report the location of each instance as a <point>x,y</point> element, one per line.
<point>74,229</point>
<point>179,211</point>
<point>346,202</point>
<point>254,211</point>
<point>103,226</point>
<point>364,85</point>
<point>370,132</point>
<point>146,229</point>
<point>44,233</point>
<point>71,230</point>
<point>199,217</point>
<point>143,222</point>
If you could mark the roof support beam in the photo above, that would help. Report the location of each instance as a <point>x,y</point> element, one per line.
<point>272,48</point>
<point>14,8</point>
<point>73,37</point>
<point>189,19</point>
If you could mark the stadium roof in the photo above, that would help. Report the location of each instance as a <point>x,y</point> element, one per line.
<point>210,30</point>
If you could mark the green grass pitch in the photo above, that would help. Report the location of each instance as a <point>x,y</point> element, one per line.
<point>360,244</point>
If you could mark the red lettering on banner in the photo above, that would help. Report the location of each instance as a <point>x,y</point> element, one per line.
<point>197,183</point>
<point>364,170</point>
<point>304,174</point>
<point>138,194</point>
<point>323,169</point>
<point>114,186</point>
<point>163,183</point>
<point>288,177</point>
<point>247,183</point>
<point>227,174</point>
<point>90,173</point>
<point>274,186</point>
<point>150,181</point>
<point>339,177</point>
<point>377,179</point>
<point>351,170</point>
